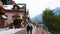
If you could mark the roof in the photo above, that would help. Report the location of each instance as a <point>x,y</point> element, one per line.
<point>9,7</point>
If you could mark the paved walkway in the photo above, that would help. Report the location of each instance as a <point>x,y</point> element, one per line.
<point>36,30</point>
<point>21,32</point>
<point>25,32</point>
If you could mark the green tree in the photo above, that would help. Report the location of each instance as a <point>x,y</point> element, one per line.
<point>17,22</point>
<point>51,20</point>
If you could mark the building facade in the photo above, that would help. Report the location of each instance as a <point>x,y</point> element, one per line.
<point>15,11</point>
<point>11,12</point>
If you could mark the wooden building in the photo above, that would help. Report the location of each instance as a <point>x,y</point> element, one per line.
<point>16,10</point>
<point>10,12</point>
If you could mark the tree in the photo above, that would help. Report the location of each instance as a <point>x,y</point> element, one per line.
<point>17,22</point>
<point>51,20</point>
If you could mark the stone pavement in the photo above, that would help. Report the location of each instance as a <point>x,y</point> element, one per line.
<point>21,32</point>
<point>36,30</point>
<point>25,32</point>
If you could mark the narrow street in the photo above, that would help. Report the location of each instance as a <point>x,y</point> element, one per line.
<point>21,32</point>
<point>34,31</point>
<point>25,32</point>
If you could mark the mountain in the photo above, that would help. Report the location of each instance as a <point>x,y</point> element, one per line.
<point>57,11</point>
<point>39,17</point>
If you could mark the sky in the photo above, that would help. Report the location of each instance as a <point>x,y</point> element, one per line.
<point>36,7</point>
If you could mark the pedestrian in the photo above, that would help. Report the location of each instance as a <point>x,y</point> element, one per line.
<point>29,29</point>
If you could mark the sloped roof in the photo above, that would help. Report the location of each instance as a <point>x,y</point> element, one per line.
<point>9,7</point>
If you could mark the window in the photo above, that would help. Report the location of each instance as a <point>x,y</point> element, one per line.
<point>14,17</point>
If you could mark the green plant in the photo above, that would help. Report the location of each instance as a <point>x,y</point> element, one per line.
<point>51,20</point>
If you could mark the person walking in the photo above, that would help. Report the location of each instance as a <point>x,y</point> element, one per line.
<point>29,28</point>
